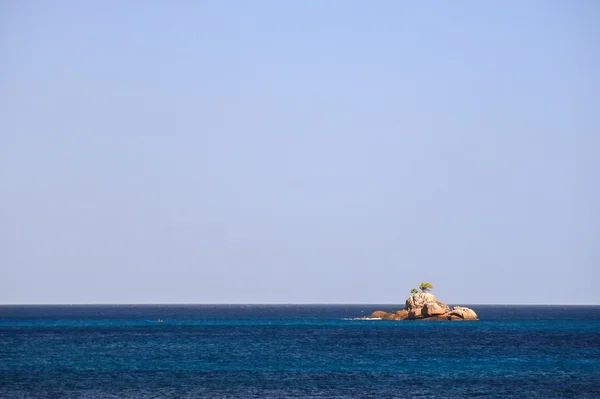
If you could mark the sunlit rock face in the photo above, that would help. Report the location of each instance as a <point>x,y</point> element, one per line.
<point>419,300</point>
<point>425,306</point>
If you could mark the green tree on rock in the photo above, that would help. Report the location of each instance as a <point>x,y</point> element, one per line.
<point>424,287</point>
<point>414,291</point>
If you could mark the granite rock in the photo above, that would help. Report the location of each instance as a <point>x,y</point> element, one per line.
<point>425,306</point>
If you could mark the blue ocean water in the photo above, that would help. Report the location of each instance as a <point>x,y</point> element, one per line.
<point>296,351</point>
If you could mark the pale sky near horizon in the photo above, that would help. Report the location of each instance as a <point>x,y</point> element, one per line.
<point>299,152</point>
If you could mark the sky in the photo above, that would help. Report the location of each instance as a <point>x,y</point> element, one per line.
<point>299,151</point>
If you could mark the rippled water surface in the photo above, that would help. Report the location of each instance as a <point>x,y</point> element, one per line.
<point>238,351</point>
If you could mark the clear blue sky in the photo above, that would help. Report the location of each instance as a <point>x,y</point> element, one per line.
<point>299,152</point>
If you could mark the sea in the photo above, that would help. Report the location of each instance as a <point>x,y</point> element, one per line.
<point>296,351</point>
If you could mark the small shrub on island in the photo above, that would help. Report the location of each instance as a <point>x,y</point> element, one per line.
<point>425,287</point>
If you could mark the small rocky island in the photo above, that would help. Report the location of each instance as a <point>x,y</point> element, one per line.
<point>424,306</point>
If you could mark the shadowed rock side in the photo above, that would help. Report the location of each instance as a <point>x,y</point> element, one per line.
<point>425,306</point>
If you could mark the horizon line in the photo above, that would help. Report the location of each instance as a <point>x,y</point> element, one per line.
<point>273,304</point>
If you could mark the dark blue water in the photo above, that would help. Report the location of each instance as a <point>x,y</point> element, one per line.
<point>299,351</point>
